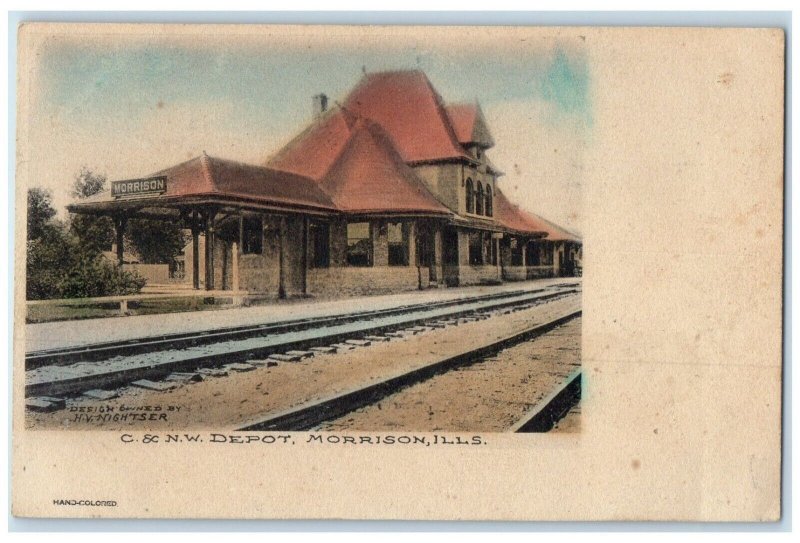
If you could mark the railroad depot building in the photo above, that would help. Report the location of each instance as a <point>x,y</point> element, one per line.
<point>390,190</point>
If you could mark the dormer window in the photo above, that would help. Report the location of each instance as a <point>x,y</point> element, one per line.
<point>478,153</point>
<point>470,196</point>
<point>479,198</point>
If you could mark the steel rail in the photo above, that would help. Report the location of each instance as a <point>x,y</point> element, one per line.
<point>315,413</point>
<point>114,378</point>
<point>101,351</point>
<point>552,408</point>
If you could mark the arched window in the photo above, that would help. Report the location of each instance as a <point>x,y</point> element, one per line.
<point>479,200</point>
<point>470,197</point>
<point>488,206</point>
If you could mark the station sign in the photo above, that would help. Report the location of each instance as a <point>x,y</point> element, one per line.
<point>150,186</point>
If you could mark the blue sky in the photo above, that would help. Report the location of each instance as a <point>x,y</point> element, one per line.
<point>128,110</point>
<point>90,84</point>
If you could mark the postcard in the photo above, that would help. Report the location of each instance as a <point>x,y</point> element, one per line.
<point>398,272</point>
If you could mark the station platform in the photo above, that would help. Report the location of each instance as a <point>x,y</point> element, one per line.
<point>75,333</point>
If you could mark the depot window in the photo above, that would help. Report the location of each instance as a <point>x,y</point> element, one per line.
<point>475,248</point>
<point>319,245</point>
<point>479,200</point>
<point>252,236</point>
<point>489,203</point>
<point>490,248</point>
<point>359,244</point>
<point>398,244</point>
<point>516,252</point>
<point>470,196</point>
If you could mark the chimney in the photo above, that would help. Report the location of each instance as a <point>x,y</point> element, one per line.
<point>320,104</point>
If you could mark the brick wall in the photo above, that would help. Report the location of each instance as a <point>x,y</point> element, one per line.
<point>293,256</point>
<point>478,275</point>
<point>515,273</point>
<point>340,282</point>
<point>259,273</point>
<point>537,272</point>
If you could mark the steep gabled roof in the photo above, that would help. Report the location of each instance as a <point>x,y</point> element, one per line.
<point>470,125</point>
<point>312,152</point>
<point>512,217</point>
<point>407,106</point>
<point>369,175</point>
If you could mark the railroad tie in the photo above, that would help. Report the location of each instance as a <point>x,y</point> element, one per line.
<point>323,350</point>
<point>237,366</point>
<point>212,372</point>
<point>376,338</point>
<point>301,354</point>
<point>159,386</point>
<point>184,377</point>
<point>269,363</point>
<point>286,357</point>
<point>103,395</point>
<point>45,404</point>
<point>358,342</point>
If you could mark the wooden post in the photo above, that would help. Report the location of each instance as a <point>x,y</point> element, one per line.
<point>524,243</point>
<point>195,251</point>
<point>235,266</point>
<point>282,259</point>
<point>305,255</point>
<point>437,266</point>
<point>119,226</point>
<point>210,249</point>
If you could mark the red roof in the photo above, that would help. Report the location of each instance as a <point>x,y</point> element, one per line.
<point>313,151</point>
<point>207,176</point>
<point>258,182</point>
<point>369,175</point>
<point>512,217</point>
<point>469,124</point>
<point>406,105</point>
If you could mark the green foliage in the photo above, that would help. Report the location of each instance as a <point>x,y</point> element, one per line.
<point>96,234</point>
<point>95,276</point>
<point>61,265</point>
<point>40,211</point>
<point>49,257</point>
<point>156,242</point>
<point>87,183</point>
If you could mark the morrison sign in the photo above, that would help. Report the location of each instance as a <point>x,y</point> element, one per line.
<point>150,186</point>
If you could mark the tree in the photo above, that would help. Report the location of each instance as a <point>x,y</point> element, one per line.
<point>40,211</point>
<point>156,242</point>
<point>96,234</point>
<point>87,183</point>
<point>58,264</point>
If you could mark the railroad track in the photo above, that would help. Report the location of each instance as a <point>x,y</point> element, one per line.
<point>74,371</point>
<point>553,408</point>
<point>106,350</point>
<point>541,419</point>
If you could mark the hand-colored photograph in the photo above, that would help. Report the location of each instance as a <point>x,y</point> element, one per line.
<point>320,237</point>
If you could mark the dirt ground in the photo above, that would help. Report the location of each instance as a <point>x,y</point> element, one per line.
<point>489,396</point>
<point>240,398</point>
